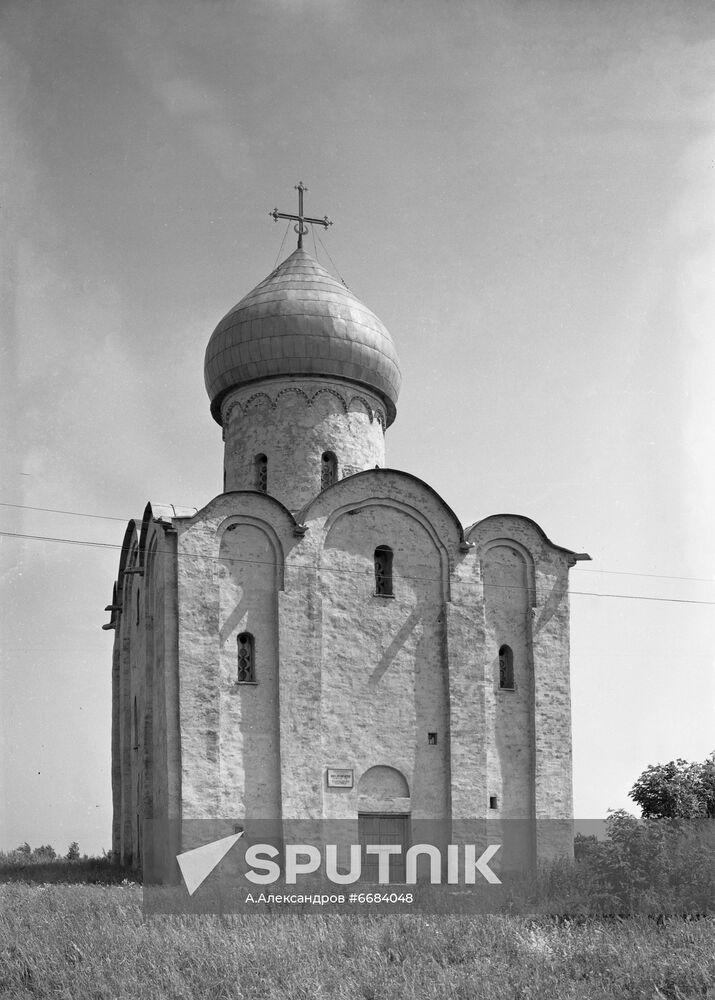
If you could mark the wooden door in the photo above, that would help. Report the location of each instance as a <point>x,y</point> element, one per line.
<point>383,828</point>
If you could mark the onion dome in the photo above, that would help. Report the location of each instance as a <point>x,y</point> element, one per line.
<point>301,321</point>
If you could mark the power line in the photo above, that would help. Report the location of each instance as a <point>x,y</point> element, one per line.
<point>343,572</point>
<point>639,597</point>
<point>651,576</point>
<point>65,541</point>
<point>579,569</point>
<point>69,513</point>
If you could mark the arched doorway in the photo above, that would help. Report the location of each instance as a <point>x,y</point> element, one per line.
<point>383,819</point>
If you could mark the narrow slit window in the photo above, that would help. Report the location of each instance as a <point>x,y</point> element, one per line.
<point>506,668</point>
<point>261,467</point>
<point>246,659</point>
<point>493,802</point>
<point>328,469</point>
<point>383,571</point>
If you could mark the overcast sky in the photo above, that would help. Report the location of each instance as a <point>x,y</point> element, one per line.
<point>524,193</point>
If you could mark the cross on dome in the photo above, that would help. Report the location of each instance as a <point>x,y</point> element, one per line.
<point>300,219</point>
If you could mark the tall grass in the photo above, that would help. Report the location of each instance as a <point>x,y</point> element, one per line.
<point>18,867</point>
<point>85,942</point>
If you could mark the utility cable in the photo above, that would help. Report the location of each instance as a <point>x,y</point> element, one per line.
<point>578,569</point>
<point>258,562</point>
<point>69,513</point>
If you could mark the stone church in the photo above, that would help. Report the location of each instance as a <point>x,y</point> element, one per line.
<point>324,639</point>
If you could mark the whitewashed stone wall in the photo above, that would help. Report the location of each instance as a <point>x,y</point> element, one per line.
<point>293,422</point>
<point>249,733</point>
<point>344,678</point>
<point>540,626</point>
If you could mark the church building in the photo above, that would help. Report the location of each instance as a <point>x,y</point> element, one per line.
<point>324,639</point>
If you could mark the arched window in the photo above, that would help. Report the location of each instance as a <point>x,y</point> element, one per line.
<point>261,468</point>
<point>328,469</point>
<point>246,659</point>
<point>506,668</point>
<point>383,571</point>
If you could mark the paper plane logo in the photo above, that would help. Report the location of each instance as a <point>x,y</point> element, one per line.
<point>197,865</point>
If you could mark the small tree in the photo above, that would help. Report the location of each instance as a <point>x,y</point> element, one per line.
<point>707,785</point>
<point>44,853</point>
<point>24,849</point>
<point>676,790</point>
<point>72,852</point>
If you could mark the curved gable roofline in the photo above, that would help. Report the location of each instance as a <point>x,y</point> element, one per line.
<point>241,493</point>
<point>302,515</point>
<point>146,521</point>
<point>577,556</point>
<point>160,513</point>
<point>131,535</point>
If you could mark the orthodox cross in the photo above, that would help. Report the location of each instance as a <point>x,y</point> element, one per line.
<point>300,227</point>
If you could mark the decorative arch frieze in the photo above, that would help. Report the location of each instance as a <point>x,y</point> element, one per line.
<point>254,399</point>
<point>243,407</point>
<point>297,390</point>
<point>346,401</point>
<point>234,404</point>
<point>371,412</point>
<point>331,392</point>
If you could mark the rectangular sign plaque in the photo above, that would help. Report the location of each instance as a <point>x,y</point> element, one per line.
<point>340,777</point>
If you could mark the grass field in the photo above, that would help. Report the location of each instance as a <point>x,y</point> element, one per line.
<point>90,941</point>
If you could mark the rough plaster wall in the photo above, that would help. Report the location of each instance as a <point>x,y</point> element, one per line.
<point>147,759</point>
<point>116,747</point>
<point>553,789</point>
<point>199,676</point>
<point>138,670</point>
<point>305,638</point>
<point>293,422</point>
<point>509,713</point>
<point>250,746</point>
<point>159,860</point>
<point>205,679</point>
<point>467,687</point>
<point>128,764</point>
<point>549,629</point>
<point>344,629</point>
<point>300,624</point>
<point>170,731</point>
<point>125,726</point>
<point>384,677</point>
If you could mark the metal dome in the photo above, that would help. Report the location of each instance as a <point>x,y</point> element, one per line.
<point>301,321</point>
